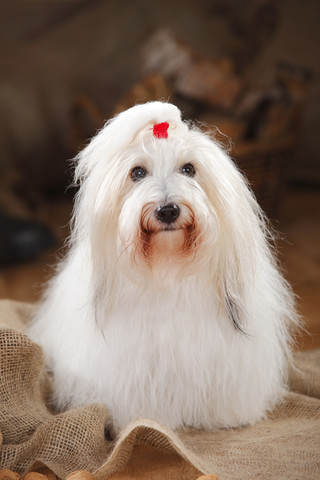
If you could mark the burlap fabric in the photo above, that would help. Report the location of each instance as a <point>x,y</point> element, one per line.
<point>286,446</point>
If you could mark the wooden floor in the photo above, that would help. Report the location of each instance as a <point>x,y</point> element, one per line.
<point>299,224</point>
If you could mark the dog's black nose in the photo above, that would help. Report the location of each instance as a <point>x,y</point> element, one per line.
<point>168,213</point>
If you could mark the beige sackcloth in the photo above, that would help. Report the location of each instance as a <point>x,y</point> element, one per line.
<point>285,446</point>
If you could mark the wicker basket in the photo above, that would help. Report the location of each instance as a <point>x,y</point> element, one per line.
<point>264,165</point>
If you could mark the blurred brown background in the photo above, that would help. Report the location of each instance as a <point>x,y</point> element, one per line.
<point>247,70</point>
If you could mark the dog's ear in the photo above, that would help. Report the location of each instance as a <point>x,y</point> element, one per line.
<point>242,247</point>
<point>241,243</point>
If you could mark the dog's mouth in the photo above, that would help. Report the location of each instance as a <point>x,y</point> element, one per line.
<point>171,228</point>
<point>171,241</point>
<point>148,232</point>
<point>168,228</point>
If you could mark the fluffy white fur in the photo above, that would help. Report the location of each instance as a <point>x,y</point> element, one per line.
<point>190,326</point>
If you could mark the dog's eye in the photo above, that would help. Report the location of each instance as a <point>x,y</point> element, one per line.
<point>138,173</point>
<point>188,169</point>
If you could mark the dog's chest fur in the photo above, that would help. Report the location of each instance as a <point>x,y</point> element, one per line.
<point>156,355</point>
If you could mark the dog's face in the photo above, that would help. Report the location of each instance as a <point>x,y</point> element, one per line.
<point>164,209</point>
<point>152,199</point>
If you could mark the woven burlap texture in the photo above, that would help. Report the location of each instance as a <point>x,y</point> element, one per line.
<point>285,446</point>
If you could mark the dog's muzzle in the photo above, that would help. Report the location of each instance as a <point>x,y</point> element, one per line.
<point>167,213</point>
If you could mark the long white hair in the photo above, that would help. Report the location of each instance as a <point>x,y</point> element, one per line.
<point>189,325</point>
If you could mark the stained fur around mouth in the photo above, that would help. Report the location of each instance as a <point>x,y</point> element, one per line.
<point>150,227</point>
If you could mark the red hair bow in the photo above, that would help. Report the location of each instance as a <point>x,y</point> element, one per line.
<point>160,130</point>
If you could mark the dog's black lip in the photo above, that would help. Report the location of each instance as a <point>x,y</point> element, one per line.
<point>171,229</point>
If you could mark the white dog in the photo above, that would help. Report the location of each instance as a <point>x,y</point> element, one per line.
<point>169,304</point>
